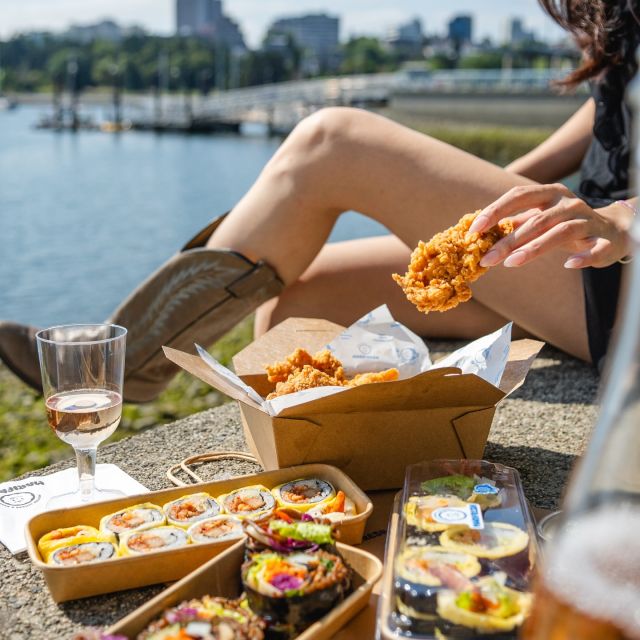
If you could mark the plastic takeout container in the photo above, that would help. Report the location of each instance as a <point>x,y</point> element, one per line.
<point>80,581</point>
<point>221,577</point>
<point>460,554</point>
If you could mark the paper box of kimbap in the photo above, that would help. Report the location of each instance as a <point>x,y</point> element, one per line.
<point>460,554</point>
<point>366,399</point>
<point>260,589</point>
<point>163,535</point>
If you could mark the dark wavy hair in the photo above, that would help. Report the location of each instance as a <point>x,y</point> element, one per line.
<point>607,32</point>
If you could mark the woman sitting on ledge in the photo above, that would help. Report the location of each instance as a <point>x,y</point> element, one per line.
<point>270,249</point>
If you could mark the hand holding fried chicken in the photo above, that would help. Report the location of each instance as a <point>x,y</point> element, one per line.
<point>441,270</point>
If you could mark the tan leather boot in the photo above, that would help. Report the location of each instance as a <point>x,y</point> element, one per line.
<point>197,296</point>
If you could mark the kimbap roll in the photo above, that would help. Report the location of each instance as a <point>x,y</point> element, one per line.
<point>496,540</point>
<point>82,550</point>
<point>206,617</point>
<point>157,539</point>
<point>419,511</point>
<point>184,511</point>
<point>216,529</point>
<point>288,532</point>
<point>486,606</point>
<point>292,591</point>
<point>253,502</point>
<point>59,537</point>
<point>303,494</point>
<point>335,510</point>
<point>420,572</point>
<point>136,518</point>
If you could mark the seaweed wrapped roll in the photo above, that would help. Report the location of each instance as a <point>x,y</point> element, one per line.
<point>304,493</point>
<point>252,502</point>
<point>421,571</point>
<point>136,518</point>
<point>216,529</point>
<point>184,511</point>
<point>292,591</point>
<point>206,617</point>
<point>156,539</point>
<point>82,550</point>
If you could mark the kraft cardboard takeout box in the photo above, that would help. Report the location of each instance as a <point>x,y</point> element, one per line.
<point>372,432</point>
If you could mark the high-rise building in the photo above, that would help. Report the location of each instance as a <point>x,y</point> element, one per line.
<point>516,33</point>
<point>461,29</point>
<point>406,39</point>
<point>316,34</point>
<point>205,18</point>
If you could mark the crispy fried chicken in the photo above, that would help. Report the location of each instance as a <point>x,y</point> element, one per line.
<point>441,270</point>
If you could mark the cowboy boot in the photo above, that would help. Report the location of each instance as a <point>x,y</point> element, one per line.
<point>196,296</point>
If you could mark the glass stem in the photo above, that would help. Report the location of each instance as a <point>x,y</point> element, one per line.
<point>86,461</point>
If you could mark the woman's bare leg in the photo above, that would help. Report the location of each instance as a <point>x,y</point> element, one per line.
<point>350,278</point>
<point>342,159</point>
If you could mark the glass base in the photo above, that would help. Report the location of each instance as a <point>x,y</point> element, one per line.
<point>77,498</point>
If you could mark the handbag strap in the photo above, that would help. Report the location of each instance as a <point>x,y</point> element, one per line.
<point>201,458</point>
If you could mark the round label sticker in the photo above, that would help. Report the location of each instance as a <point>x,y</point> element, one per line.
<point>485,489</point>
<point>449,515</point>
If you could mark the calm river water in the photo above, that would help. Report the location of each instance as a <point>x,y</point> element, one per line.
<point>85,217</point>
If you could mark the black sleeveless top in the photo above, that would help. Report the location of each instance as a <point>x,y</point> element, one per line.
<point>604,178</point>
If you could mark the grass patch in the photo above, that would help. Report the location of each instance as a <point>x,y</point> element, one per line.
<point>27,443</point>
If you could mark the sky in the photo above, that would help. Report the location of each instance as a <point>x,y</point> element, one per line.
<point>358,17</point>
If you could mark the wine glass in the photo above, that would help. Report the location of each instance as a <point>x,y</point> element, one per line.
<point>82,368</point>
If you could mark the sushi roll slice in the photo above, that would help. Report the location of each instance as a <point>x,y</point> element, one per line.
<point>304,493</point>
<point>496,540</point>
<point>335,510</point>
<point>420,572</point>
<point>206,617</point>
<point>82,550</point>
<point>185,511</point>
<point>216,529</point>
<point>253,502</point>
<point>157,539</point>
<point>487,606</point>
<point>59,537</point>
<point>419,511</point>
<point>136,518</point>
<point>288,531</point>
<point>290,592</point>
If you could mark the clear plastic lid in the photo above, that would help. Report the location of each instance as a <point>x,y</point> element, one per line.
<point>460,554</point>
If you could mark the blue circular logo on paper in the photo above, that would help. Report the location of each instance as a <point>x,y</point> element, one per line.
<point>408,354</point>
<point>364,349</point>
<point>366,320</point>
<point>485,489</point>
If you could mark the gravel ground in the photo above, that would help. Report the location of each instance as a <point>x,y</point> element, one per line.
<point>539,430</point>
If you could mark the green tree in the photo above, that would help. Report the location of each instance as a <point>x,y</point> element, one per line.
<point>366,55</point>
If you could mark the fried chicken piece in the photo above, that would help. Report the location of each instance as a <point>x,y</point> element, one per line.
<point>323,361</point>
<point>306,378</point>
<point>381,376</point>
<point>280,371</point>
<point>441,270</point>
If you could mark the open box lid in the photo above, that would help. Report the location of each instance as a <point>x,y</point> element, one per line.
<point>434,388</point>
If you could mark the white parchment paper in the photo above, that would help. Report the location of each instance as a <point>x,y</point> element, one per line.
<point>377,342</point>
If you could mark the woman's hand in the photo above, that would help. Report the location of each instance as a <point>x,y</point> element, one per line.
<point>550,216</point>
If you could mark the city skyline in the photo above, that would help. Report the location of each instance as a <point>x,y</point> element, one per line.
<point>360,18</point>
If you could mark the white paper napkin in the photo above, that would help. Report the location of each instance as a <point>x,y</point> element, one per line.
<point>20,500</point>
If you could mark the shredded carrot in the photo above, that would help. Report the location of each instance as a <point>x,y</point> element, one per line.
<point>283,516</point>
<point>337,506</point>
